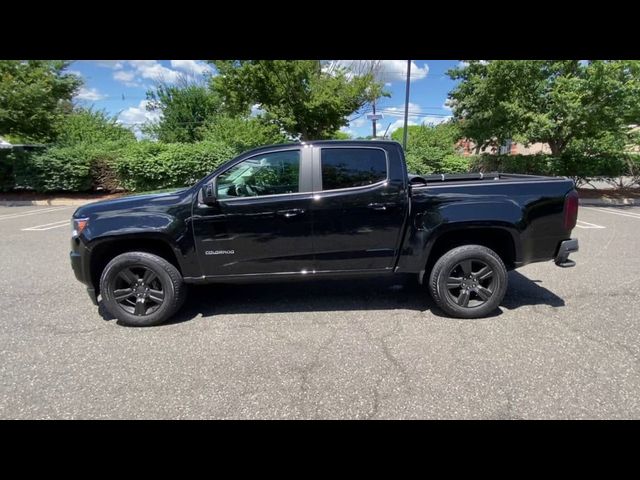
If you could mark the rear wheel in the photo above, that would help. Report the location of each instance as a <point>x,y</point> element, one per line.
<point>141,289</point>
<point>468,281</point>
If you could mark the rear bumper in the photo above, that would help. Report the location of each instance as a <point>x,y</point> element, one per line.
<point>567,247</point>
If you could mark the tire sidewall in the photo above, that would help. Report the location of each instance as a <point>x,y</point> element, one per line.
<point>109,276</point>
<point>455,256</point>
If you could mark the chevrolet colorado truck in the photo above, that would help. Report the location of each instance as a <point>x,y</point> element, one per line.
<point>317,210</point>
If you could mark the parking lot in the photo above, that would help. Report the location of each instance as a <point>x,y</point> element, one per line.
<point>566,343</point>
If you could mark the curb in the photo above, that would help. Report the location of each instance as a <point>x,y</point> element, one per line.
<point>607,202</point>
<point>60,202</point>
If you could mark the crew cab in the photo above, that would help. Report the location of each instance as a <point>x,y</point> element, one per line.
<point>317,210</point>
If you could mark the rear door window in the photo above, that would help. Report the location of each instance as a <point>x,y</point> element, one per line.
<point>352,167</point>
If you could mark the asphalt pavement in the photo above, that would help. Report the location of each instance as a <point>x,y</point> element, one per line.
<point>564,345</point>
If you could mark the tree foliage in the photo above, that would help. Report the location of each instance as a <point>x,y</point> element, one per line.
<point>303,97</point>
<point>85,125</point>
<point>242,133</point>
<point>185,107</point>
<point>34,97</point>
<point>560,102</point>
<point>431,149</point>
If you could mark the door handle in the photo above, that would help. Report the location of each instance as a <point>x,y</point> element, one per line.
<point>291,212</point>
<point>377,206</point>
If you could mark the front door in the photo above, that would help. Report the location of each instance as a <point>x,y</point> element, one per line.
<point>358,211</point>
<point>261,222</point>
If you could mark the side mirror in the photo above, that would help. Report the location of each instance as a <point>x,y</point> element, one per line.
<point>209,193</point>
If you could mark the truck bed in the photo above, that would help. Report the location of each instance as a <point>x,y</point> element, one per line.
<point>449,178</point>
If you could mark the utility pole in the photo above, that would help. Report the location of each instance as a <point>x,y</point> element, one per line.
<point>374,119</point>
<point>406,106</point>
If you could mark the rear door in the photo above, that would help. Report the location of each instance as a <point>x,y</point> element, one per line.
<point>358,211</point>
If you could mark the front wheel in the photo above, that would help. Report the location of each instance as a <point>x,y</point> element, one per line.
<point>468,281</point>
<point>141,289</point>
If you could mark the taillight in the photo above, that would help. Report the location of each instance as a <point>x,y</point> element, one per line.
<point>570,210</point>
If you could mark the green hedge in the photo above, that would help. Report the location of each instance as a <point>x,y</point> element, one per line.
<point>146,165</point>
<point>65,169</point>
<point>7,179</point>
<point>111,166</point>
<point>150,165</point>
<point>422,163</point>
<point>570,165</point>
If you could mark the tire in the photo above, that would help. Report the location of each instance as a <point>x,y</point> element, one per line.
<point>157,289</point>
<point>468,281</point>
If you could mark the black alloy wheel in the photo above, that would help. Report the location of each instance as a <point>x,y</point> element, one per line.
<point>471,283</point>
<point>138,290</point>
<point>141,289</point>
<point>468,281</point>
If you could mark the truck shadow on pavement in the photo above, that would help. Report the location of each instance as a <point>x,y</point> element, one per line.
<point>397,292</point>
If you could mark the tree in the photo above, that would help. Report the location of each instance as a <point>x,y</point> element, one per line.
<point>305,98</point>
<point>431,149</point>
<point>34,97</point>
<point>242,133</point>
<point>560,102</point>
<point>185,107</point>
<point>340,135</point>
<point>88,126</point>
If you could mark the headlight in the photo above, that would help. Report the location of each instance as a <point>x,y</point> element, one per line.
<point>78,225</point>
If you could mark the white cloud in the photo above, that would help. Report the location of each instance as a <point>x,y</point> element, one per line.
<point>446,105</point>
<point>463,64</point>
<point>115,64</point>
<point>396,70</point>
<point>256,110</point>
<point>352,133</point>
<point>398,111</point>
<point>154,70</point>
<point>124,75</point>
<point>74,72</point>
<point>90,94</point>
<point>427,120</point>
<point>197,67</point>
<point>359,122</point>
<point>127,77</point>
<point>430,120</point>
<point>135,117</point>
<point>388,70</point>
<point>139,114</point>
<point>399,124</point>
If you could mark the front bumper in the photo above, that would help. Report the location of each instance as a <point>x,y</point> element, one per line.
<point>566,248</point>
<point>80,261</point>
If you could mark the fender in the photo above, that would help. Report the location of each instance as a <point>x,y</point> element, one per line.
<point>161,217</point>
<point>435,216</point>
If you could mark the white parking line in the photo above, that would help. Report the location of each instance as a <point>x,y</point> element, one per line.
<point>581,224</point>
<point>623,214</point>
<point>47,226</point>
<point>31,212</point>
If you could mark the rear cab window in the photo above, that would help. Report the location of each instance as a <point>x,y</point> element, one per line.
<point>352,167</point>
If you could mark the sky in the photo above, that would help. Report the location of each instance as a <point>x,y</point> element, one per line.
<point>119,87</point>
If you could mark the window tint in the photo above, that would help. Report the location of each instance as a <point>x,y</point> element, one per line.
<point>268,174</point>
<point>352,167</point>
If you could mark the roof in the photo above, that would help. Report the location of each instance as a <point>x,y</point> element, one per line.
<point>364,143</point>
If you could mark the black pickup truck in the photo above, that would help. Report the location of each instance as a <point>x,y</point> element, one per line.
<point>322,209</point>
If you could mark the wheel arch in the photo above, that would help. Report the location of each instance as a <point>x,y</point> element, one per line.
<point>502,240</point>
<point>107,249</point>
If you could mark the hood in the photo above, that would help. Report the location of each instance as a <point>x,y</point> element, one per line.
<point>152,201</point>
